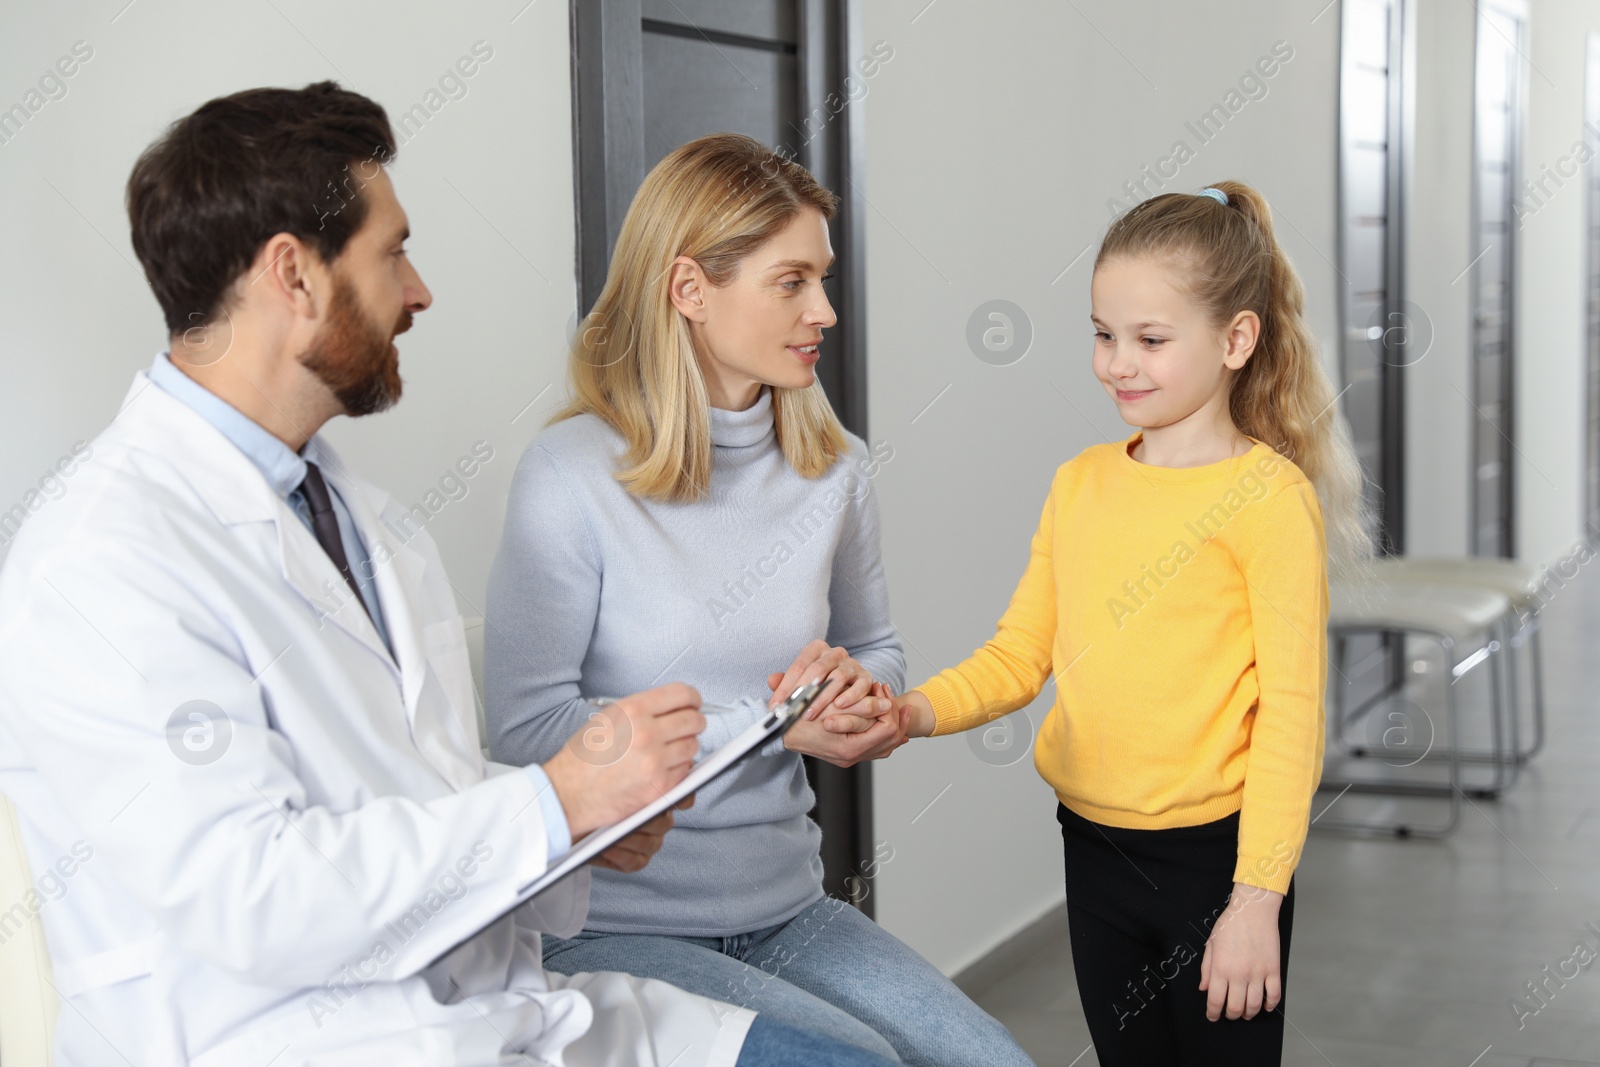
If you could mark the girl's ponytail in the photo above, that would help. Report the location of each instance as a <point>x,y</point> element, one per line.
<point>1281,395</point>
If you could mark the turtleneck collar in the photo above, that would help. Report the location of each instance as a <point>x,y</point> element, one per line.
<point>741,429</point>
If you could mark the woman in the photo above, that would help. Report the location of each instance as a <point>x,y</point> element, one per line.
<point>697,512</point>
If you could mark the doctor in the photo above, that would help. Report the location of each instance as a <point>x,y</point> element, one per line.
<point>239,700</point>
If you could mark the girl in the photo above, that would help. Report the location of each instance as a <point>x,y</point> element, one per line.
<point>1177,592</point>
<point>697,512</point>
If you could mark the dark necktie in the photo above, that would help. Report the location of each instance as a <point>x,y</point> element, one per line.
<point>325,524</point>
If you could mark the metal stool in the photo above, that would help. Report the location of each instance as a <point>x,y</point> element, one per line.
<point>1520,584</point>
<point>1453,617</point>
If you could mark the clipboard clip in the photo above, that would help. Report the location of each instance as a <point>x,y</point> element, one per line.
<point>799,700</point>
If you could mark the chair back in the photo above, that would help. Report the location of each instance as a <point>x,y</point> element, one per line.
<point>28,1003</point>
<point>474,624</point>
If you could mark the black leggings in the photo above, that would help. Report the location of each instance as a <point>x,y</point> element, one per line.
<point>1140,904</point>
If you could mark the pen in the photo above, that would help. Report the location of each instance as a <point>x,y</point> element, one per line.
<point>708,709</point>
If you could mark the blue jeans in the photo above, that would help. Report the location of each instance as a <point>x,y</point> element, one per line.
<point>773,1044</point>
<point>830,970</point>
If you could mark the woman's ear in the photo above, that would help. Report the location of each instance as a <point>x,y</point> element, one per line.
<point>1242,335</point>
<point>686,288</point>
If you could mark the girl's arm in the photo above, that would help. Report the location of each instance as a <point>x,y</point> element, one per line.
<point>1286,572</point>
<point>1010,669</point>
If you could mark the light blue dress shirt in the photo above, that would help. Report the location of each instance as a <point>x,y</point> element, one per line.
<point>284,469</point>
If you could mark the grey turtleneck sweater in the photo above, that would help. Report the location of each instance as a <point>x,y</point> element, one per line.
<point>597,593</point>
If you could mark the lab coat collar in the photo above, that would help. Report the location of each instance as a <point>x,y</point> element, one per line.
<point>282,467</point>
<point>236,492</point>
<point>397,567</point>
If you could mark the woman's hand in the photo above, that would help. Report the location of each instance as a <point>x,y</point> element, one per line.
<point>849,684</point>
<point>1239,970</point>
<point>633,852</point>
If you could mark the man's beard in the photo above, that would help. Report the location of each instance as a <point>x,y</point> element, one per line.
<point>353,359</point>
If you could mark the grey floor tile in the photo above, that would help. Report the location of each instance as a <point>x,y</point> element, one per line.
<point>1347,1052</point>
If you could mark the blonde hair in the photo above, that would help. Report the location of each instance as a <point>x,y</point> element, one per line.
<point>632,364</point>
<point>1281,396</point>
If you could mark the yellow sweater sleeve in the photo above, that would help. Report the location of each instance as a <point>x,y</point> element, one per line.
<point>1010,669</point>
<point>1286,573</point>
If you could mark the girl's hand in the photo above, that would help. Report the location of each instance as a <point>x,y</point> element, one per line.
<point>1239,970</point>
<point>842,722</point>
<point>849,683</point>
<point>912,709</point>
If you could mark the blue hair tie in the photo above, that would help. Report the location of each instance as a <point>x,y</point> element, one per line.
<point>1214,193</point>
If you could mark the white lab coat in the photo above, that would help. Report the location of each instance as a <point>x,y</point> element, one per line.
<point>281,904</point>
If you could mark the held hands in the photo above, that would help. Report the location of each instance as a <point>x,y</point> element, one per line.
<point>849,683</point>
<point>853,719</point>
<point>1240,967</point>
<point>912,709</point>
<point>846,747</point>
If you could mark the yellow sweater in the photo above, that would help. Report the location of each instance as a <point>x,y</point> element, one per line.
<point>1183,613</point>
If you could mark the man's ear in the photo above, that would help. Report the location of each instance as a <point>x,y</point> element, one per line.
<point>686,288</point>
<point>287,271</point>
<point>1243,333</point>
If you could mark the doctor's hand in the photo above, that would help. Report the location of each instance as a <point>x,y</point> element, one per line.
<point>628,754</point>
<point>634,851</point>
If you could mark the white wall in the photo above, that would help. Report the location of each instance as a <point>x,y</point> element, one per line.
<point>486,180</point>
<point>994,140</point>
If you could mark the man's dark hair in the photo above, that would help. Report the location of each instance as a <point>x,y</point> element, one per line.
<point>204,197</point>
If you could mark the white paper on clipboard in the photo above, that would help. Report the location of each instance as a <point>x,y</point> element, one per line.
<point>774,723</point>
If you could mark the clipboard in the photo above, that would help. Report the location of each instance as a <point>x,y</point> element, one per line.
<point>776,723</point>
